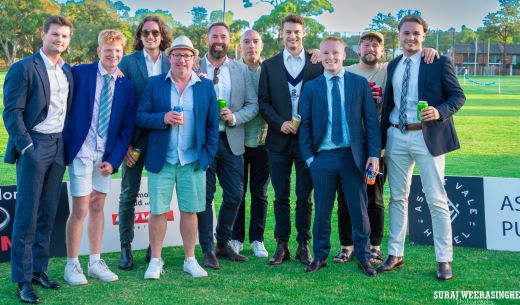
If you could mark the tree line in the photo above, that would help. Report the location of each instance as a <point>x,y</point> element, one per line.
<point>21,21</point>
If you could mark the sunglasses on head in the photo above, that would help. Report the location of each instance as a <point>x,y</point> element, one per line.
<point>154,33</point>
<point>215,75</point>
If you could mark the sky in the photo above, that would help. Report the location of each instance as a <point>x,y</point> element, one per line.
<point>349,16</point>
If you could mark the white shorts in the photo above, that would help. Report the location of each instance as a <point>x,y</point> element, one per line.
<point>86,177</point>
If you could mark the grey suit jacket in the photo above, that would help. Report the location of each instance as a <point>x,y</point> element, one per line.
<point>244,103</point>
<point>134,68</point>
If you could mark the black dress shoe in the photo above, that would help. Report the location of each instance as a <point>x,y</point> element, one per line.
<point>210,260</point>
<point>367,269</point>
<point>281,254</point>
<point>444,271</point>
<point>27,294</point>
<point>391,263</point>
<point>126,260</point>
<point>344,255</point>
<point>225,251</point>
<point>303,254</point>
<point>43,279</point>
<point>315,265</point>
<point>148,255</point>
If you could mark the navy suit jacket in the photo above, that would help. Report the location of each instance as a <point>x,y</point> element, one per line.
<point>134,68</point>
<point>156,102</point>
<point>360,110</point>
<point>274,101</point>
<point>438,85</point>
<point>122,116</point>
<point>26,101</point>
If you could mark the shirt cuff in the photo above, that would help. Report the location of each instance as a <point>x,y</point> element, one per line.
<point>309,161</point>
<point>26,147</point>
<point>234,121</point>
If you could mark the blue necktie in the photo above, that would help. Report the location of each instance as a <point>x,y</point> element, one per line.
<point>105,106</point>
<point>337,130</point>
<point>404,92</point>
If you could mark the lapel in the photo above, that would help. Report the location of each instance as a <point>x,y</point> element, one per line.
<point>283,77</point>
<point>232,74</point>
<point>323,104</point>
<point>348,91</point>
<point>68,74</point>
<point>391,67</point>
<point>165,64</point>
<point>166,96</point>
<point>197,96</point>
<point>422,78</point>
<point>307,69</point>
<point>141,63</point>
<point>39,65</point>
<point>92,78</point>
<point>203,65</point>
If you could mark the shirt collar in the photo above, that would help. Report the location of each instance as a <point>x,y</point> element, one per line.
<point>148,57</point>
<point>48,63</point>
<point>329,75</point>
<point>414,58</point>
<point>225,63</point>
<point>103,72</point>
<point>194,78</point>
<point>288,55</point>
<point>252,69</point>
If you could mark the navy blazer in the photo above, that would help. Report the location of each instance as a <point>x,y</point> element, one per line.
<point>134,68</point>
<point>156,102</point>
<point>26,101</point>
<point>438,85</point>
<point>122,115</point>
<point>360,110</point>
<point>274,101</point>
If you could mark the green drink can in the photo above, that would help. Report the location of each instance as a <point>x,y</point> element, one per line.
<point>420,106</point>
<point>221,104</point>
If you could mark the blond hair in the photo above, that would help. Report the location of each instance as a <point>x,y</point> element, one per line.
<point>111,36</point>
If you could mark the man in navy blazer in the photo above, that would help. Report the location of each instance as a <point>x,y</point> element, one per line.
<point>411,138</point>
<point>37,96</point>
<point>151,38</point>
<point>97,134</point>
<point>339,140</point>
<point>180,111</point>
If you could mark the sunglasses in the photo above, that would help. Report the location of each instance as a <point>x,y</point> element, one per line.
<point>215,76</point>
<point>154,33</point>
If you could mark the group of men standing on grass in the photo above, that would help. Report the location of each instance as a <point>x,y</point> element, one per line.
<point>246,122</point>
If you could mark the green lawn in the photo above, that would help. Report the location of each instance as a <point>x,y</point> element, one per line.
<point>489,131</point>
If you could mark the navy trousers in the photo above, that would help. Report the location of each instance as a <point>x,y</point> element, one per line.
<point>329,168</point>
<point>39,174</point>
<point>230,171</point>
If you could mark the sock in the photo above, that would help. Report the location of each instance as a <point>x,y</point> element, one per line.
<point>189,258</point>
<point>155,259</point>
<point>94,258</point>
<point>71,260</point>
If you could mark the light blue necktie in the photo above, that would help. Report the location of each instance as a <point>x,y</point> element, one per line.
<point>404,92</point>
<point>337,131</point>
<point>105,106</point>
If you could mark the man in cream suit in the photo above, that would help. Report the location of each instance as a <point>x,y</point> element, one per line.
<point>232,84</point>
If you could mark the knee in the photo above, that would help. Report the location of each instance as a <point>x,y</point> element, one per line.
<point>79,211</point>
<point>96,204</point>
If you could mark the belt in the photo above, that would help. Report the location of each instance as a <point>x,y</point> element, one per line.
<point>409,127</point>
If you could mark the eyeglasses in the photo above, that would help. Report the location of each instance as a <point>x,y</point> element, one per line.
<point>186,57</point>
<point>216,73</point>
<point>154,33</point>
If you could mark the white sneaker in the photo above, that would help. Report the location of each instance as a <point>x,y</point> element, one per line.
<point>236,245</point>
<point>74,274</point>
<point>259,249</point>
<point>192,267</point>
<point>100,271</point>
<point>155,269</point>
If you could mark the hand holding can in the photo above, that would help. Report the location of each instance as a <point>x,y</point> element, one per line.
<point>180,110</point>
<point>295,121</point>
<point>420,106</point>
<point>370,177</point>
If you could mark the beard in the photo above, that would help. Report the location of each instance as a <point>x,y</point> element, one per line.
<point>218,54</point>
<point>367,61</point>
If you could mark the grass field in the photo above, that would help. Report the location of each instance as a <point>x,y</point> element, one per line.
<point>489,130</point>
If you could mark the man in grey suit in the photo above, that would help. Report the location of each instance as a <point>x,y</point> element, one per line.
<point>151,38</point>
<point>232,84</point>
<point>37,97</point>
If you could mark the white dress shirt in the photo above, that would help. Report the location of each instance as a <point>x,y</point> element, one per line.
<point>223,87</point>
<point>412,98</point>
<point>59,85</point>
<point>154,68</point>
<point>294,65</point>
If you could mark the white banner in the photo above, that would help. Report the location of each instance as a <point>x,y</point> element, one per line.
<point>502,198</point>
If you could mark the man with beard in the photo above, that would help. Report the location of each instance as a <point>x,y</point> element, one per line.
<point>281,81</point>
<point>233,85</point>
<point>151,38</point>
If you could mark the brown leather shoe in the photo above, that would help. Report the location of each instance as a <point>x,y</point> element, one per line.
<point>303,254</point>
<point>281,254</point>
<point>225,251</point>
<point>391,263</point>
<point>211,260</point>
<point>315,265</point>
<point>444,272</point>
<point>367,269</point>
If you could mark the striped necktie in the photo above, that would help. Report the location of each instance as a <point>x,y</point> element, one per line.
<point>105,106</point>
<point>337,131</point>
<point>404,93</point>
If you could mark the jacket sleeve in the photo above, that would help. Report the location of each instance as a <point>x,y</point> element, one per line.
<point>451,89</point>
<point>305,130</point>
<point>265,102</point>
<point>250,108</point>
<point>371,121</point>
<point>212,119</point>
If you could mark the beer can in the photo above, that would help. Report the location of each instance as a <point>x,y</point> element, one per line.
<point>180,110</point>
<point>372,84</point>
<point>295,122</point>
<point>136,153</point>
<point>420,106</point>
<point>370,177</point>
<point>221,104</point>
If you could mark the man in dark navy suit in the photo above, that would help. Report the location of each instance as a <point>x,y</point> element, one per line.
<point>423,139</point>
<point>37,97</point>
<point>339,140</point>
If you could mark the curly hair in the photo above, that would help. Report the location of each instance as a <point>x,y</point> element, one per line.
<point>166,34</point>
